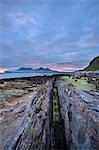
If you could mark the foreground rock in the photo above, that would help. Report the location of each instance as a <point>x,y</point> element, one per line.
<point>44,113</point>
<point>80,110</point>
<point>24,119</point>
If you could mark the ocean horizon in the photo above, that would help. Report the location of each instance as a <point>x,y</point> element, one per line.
<point>19,75</point>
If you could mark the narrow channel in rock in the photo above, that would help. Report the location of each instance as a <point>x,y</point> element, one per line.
<point>58,131</point>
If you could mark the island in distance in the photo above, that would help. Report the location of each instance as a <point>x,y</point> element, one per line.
<point>31,70</point>
<point>93,66</point>
<point>50,112</point>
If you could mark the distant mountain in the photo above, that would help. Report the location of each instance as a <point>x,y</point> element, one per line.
<point>20,70</point>
<point>31,70</point>
<point>23,69</point>
<point>94,65</point>
<point>44,70</point>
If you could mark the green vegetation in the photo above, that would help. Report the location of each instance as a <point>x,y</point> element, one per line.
<point>81,84</point>
<point>58,131</point>
<point>56,113</point>
<point>94,65</point>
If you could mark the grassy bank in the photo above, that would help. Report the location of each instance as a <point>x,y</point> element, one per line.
<point>81,84</point>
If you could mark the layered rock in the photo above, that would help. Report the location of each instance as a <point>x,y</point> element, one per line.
<point>25,113</point>
<point>35,130</point>
<point>80,111</point>
<point>36,114</point>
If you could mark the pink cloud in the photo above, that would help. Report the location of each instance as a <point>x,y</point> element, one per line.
<point>2,69</point>
<point>69,67</point>
<point>63,67</point>
<point>35,63</point>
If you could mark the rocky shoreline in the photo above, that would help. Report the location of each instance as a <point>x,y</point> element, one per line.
<point>34,109</point>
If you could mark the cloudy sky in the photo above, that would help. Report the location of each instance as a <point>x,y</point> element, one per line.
<point>58,34</point>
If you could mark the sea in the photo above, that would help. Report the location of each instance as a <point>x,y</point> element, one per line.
<point>19,75</point>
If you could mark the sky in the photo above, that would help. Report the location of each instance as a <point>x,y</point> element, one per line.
<point>61,35</point>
